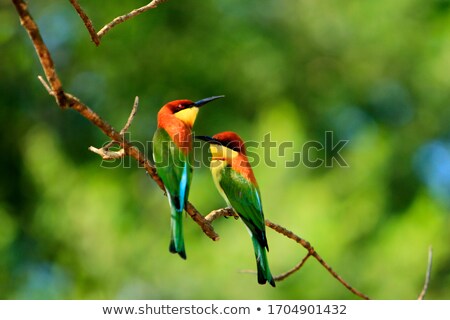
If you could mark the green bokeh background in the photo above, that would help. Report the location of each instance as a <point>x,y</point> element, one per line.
<point>376,73</point>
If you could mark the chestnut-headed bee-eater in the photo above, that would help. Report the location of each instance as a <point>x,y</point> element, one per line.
<point>172,146</point>
<point>236,183</point>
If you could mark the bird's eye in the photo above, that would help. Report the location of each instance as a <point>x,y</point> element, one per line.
<point>183,106</point>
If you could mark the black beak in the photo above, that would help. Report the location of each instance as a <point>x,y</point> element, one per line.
<point>208,139</point>
<point>202,102</point>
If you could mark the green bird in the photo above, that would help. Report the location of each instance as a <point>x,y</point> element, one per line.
<point>235,181</point>
<point>172,155</point>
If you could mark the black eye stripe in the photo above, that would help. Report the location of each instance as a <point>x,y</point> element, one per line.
<point>184,106</point>
<point>233,145</point>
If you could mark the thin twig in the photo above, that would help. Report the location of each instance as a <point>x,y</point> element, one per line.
<point>286,274</point>
<point>125,17</point>
<point>131,116</point>
<point>104,151</point>
<point>87,22</point>
<point>247,271</point>
<point>46,86</point>
<point>338,277</point>
<point>427,275</point>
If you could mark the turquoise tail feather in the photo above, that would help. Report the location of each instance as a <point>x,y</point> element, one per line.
<point>176,226</point>
<point>264,274</point>
<point>177,239</point>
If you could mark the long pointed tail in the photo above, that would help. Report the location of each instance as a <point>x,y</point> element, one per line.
<point>177,239</point>
<point>262,264</point>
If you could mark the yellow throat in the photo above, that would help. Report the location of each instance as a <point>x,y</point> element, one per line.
<point>188,115</point>
<point>221,157</point>
<point>222,153</point>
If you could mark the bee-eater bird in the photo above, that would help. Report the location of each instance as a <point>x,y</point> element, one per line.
<point>234,178</point>
<point>172,146</point>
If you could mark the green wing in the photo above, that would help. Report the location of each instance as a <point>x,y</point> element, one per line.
<point>245,199</point>
<point>173,166</point>
<point>175,170</point>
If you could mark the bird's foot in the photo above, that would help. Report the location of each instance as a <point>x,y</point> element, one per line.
<point>230,213</point>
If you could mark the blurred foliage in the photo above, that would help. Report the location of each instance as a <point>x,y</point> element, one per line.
<point>374,72</point>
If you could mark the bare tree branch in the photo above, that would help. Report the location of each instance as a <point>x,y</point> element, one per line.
<point>427,275</point>
<point>97,36</point>
<point>65,100</point>
<point>313,253</point>
<point>44,55</point>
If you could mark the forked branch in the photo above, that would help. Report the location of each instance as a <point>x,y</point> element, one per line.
<point>105,151</point>
<point>227,212</point>
<point>97,36</point>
